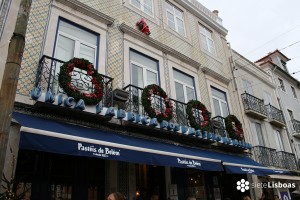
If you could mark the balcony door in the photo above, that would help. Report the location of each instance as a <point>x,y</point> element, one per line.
<point>220,102</point>
<point>278,140</point>
<point>73,41</point>
<point>257,133</point>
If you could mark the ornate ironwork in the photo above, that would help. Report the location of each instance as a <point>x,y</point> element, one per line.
<point>218,126</point>
<point>287,160</point>
<point>253,103</point>
<point>275,113</point>
<point>296,125</point>
<point>264,155</point>
<point>47,79</point>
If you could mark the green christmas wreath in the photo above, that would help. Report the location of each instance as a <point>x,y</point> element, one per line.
<point>234,127</point>
<point>147,96</point>
<point>65,81</point>
<point>203,125</point>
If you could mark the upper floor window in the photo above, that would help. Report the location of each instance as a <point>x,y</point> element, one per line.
<point>281,84</point>
<point>278,140</point>
<point>258,135</point>
<point>220,102</point>
<point>143,70</point>
<point>283,64</point>
<point>73,41</point>
<point>294,92</point>
<point>144,5</point>
<point>267,98</point>
<point>184,86</point>
<point>175,19</point>
<point>247,87</point>
<point>207,42</point>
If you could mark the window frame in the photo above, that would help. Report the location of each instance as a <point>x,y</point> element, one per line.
<point>175,18</point>
<point>207,37</point>
<point>281,84</point>
<point>294,92</point>
<point>142,8</point>
<point>260,140</point>
<point>220,101</point>
<point>185,85</point>
<point>144,68</point>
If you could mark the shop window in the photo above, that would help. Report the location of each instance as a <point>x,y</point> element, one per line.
<point>74,41</point>
<point>220,102</point>
<point>207,42</point>
<point>175,19</point>
<point>144,5</point>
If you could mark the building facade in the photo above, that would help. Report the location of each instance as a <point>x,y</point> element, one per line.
<point>144,113</point>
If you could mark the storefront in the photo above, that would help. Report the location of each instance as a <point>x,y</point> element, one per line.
<point>67,161</point>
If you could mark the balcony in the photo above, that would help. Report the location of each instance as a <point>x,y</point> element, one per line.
<point>134,104</point>
<point>296,128</point>
<point>47,79</point>
<point>275,116</point>
<point>269,157</point>
<point>254,106</point>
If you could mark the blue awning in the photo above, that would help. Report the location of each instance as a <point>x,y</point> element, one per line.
<point>56,137</point>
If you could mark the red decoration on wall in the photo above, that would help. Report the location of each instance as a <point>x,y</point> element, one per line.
<point>142,25</point>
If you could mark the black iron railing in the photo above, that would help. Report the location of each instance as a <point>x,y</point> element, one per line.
<point>264,155</point>
<point>286,160</point>
<point>296,125</point>
<point>270,157</point>
<point>275,113</point>
<point>253,103</point>
<point>47,79</point>
<point>134,104</point>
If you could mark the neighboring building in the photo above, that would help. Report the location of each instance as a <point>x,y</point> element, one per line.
<point>287,90</point>
<point>75,151</point>
<point>264,120</point>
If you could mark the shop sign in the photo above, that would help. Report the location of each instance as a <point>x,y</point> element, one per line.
<point>99,151</point>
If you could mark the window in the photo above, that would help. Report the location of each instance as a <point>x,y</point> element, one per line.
<point>281,84</point>
<point>291,115</point>
<point>143,70</point>
<point>257,133</point>
<point>220,102</point>
<point>73,41</point>
<point>184,87</point>
<point>294,92</point>
<point>278,140</point>
<point>283,63</point>
<point>207,42</point>
<point>247,87</point>
<point>144,5</point>
<point>267,98</point>
<point>175,19</point>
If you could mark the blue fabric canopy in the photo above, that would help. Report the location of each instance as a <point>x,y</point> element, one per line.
<point>56,137</point>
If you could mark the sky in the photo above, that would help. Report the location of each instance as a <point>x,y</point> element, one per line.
<point>257,27</point>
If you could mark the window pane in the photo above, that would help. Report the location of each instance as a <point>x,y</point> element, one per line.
<point>211,46</point>
<point>171,21</point>
<point>170,7</point>
<point>203,42</point>
<point>180,26</point>
<point>183,78</point>
<point>259,134</point>
<point>136,3</point>
<point>78,33</point>
<point>179,92</point>
<point>190,93</point>
<point>143,60</point>
<point>218,94</point>
<point>279,145</point>
<point>224,109</point>
<point>137,75</point>
<point>178,13</point>
<point>148,6</point>
<point>65,48</point>
<point>87,52</point>
<point>151,78</point>
<point>217,107</point>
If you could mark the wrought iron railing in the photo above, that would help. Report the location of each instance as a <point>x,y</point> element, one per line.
<point>47,79</point>
<point>134,104</point>
<point>296,125</point>
<point>264,155</point>
<point>275,113</point>
<point>287,160</point>
<point>253,103</point>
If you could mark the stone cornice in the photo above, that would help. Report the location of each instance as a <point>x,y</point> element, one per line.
<point>215,75</point>
<point>158,45</point>
<point>89,11</point>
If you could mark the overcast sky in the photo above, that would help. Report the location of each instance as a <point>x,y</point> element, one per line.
<point>256,27</point>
